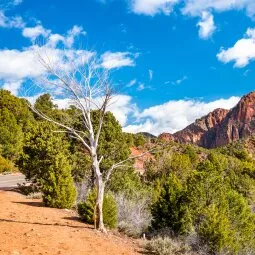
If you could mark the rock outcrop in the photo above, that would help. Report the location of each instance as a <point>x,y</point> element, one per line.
<point>221,126</point>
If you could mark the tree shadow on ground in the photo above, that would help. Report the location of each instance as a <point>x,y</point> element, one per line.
<point>46,224</point>
<point>74,218</point>
<point>36,203</point>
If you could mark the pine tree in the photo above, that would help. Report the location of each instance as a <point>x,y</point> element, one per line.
<point>45,162</point>
<point>11,136</point>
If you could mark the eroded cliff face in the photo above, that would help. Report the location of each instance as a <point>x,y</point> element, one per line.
<point>221,126</point>
<point>239,122</point>
<point>202,132</point>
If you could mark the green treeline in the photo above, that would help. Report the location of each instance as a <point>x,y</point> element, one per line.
<point>205,198</point>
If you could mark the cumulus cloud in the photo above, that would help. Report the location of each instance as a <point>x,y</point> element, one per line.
<point>152,7</point>
<point>242,52</point>
<point>11,22</point>
<point>122,107</point>
<point>72,33</point>
<point>16,64</point>
<point>111,60</point>
<point>191,7</point>
<point>34,32</point>
<point>196,7</point>
<point>53,39</point>
<point>206,25</point>
<point>20,65</point>
<point>175,115</point>
<point>12,86</point>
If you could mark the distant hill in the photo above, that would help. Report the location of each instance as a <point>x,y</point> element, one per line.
<point>146,135</point>
<point>220,127</point>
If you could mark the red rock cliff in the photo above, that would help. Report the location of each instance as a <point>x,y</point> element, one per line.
<point>221,126</point>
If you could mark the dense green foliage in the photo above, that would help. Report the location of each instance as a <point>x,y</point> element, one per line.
<point>212,197</point>
<point>18,107</point>
<point>6,166</point>
<point>45,162</point>
<point>11,136</point>
<point>112,141</point>
<point>86,209</point>
<point>188,190</point>
<point>15,120</point>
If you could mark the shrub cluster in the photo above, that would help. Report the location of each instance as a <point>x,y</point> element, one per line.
<point>86,209</point>
<point>212,198</point>
<point>134,216</point>
<point>166,246</point>
<point>6,166</point>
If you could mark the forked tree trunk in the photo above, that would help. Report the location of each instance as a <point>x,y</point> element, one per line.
<point>98,212</point>
<point>99,206</point>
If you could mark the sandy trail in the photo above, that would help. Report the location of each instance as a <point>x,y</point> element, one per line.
<point>28,228</point>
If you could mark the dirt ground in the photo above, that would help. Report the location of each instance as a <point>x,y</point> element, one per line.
<point>26,228</point>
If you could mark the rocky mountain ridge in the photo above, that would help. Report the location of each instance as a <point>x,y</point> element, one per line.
<point>220,126</point>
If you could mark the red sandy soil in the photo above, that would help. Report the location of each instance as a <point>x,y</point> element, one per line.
<point>26,227</point>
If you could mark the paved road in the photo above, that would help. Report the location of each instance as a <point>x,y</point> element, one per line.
<point>10,181</point>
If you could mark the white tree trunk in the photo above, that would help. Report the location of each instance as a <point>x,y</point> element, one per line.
<point>99,205</point>
<point>98,213</point>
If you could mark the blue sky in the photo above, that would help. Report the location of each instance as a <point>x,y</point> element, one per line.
<point>174,60</point>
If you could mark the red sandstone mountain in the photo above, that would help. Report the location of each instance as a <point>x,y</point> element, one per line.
<point>221,126</point>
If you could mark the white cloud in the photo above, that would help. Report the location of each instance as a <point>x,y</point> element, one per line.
<point>10,22</point>
<point>131,83</point>
<point>122,107</point>
<point>206,25</point>
<point>150,74</point>
<point>179,81</point>
<point>191,7</point>
<point>22,64</point>
<point>52,40</point>
<point>242,52</point>
<point>141,87</point>
<point>196,7</point>
<point>111,60</point>
<point>175,115</point>
<point>152,7</point>
<point>12,86</point>
<point>72,34</point>
<point>15,64</point>
<point>34,32</point>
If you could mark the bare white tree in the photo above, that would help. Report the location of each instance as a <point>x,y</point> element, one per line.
<point>89,88</point>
